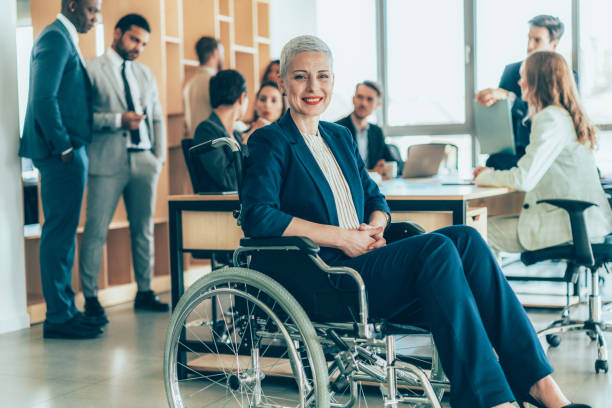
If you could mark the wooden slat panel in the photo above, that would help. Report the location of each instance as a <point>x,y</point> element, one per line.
<point>210,230</point>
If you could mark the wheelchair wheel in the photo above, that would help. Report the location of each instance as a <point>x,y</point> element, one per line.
<point>230,338</point>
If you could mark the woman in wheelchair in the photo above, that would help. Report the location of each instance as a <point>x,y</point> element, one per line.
<point>305,177</point>
<point>558,163</point>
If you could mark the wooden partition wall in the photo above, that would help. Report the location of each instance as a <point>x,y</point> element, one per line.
<point>243,28</point>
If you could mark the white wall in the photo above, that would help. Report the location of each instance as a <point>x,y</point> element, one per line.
<point>13,315</point>
<point>289,18</point>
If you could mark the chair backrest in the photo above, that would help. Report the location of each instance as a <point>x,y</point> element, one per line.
<point>195,155</point>
<point>187,144</point>
<point>397,156</point>
<point>429,159</point>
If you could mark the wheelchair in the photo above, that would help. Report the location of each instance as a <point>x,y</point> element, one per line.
<point>275,330</point>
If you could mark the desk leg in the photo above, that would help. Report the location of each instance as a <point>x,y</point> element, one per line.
<point>459,209</point>
<point>176,275</point>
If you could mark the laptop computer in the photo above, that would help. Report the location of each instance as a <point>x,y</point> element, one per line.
<point>423,160</point>
<point>494,127</point>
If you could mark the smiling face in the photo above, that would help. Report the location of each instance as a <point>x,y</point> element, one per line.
<point>269,104</point>
<point>308,84</point>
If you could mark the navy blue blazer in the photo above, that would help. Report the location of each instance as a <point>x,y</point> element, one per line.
<point>283,180</point>
<point>59,113</point>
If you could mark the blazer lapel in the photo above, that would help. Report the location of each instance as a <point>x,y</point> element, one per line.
<point>111,78</point>
<point>305,156</point>
<point>344,159</point>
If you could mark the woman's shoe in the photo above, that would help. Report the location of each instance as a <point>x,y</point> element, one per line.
<point>532,401</point>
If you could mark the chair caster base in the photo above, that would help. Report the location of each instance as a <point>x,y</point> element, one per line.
<point>601,365</point>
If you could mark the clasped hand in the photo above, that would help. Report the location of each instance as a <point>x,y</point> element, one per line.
<point>360,241</point>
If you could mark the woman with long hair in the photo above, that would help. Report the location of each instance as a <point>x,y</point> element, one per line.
<point>269,107</point>
<point>558,163</point>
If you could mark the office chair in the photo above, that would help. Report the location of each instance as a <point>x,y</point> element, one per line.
<point>187,144</point>
<point>394,151</point>
<point>579,255</point>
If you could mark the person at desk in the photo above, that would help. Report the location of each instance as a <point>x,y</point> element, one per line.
<point>196,95</point>
<point>228,97</point>
<point>305,177</point>
<point>545,32</point>
<point>558,163</point>
<point>269,106</point>
<point>369,137</point>
<point>57,127</point>
<point>125,159</point>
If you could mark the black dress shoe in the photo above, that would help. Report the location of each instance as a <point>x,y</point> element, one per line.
<point>148,300</point>
<point>95,311</point>
<point>74,328</point>
<point>532,401</point>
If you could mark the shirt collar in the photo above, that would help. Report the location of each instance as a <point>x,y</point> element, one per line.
<point>210,70</point>
<point>70,27</point>
<point>357,128</point>
<point>115,58</point>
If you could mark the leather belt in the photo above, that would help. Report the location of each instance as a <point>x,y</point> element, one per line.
<point>135,150</point>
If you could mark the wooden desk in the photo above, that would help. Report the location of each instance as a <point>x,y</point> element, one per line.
<point>203,224</point>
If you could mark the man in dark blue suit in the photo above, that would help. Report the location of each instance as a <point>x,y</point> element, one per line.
<point>369,137</point>
<point>58,126</point>
<point>544,34</point>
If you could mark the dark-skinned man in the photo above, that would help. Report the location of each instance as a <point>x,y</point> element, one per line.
<point>57,127</point>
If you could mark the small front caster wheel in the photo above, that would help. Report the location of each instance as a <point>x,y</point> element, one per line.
<point>553,340</point>
<point>601,365</point>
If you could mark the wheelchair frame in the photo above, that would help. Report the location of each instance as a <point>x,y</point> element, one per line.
<point>366,348</point>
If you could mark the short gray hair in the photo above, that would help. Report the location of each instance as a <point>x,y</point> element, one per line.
<point>300,44</point>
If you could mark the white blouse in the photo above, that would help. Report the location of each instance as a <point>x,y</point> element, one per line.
<point>347,215</point>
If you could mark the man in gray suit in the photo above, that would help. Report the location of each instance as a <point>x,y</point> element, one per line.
<point>125,158</point>
<point>57,127</point>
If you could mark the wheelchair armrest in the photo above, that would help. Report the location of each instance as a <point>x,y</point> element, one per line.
<point>580,235</point>
<point>299,243</point>
<point>400,230</point>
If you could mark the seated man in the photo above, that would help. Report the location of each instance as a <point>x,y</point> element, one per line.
<point>369,137</point>
<point>229,101</point>
<point>544,34</point>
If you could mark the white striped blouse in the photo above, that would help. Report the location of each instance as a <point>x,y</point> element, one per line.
<point>347,215</point>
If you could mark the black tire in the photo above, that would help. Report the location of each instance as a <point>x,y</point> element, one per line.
<point>250,304</point>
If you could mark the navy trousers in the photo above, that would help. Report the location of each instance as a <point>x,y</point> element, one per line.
<point>450,281</point>
<point>61,189</point>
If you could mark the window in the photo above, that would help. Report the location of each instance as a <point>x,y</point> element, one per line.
<point>349,28</point>
<point>502,32</point>
<point>425,62</point>
<point>596,60</point>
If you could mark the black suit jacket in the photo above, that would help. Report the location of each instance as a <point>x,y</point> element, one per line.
<point>377,148</point>
<point>218,164</point>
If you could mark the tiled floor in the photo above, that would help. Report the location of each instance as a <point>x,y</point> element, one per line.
<point>123,368</point>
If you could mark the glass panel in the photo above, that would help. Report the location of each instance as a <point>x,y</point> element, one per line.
<point>353,47</point>
<point>463,143</point>
<point>425,62</point>
<point>596,59</point>
<point>503,31</point>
